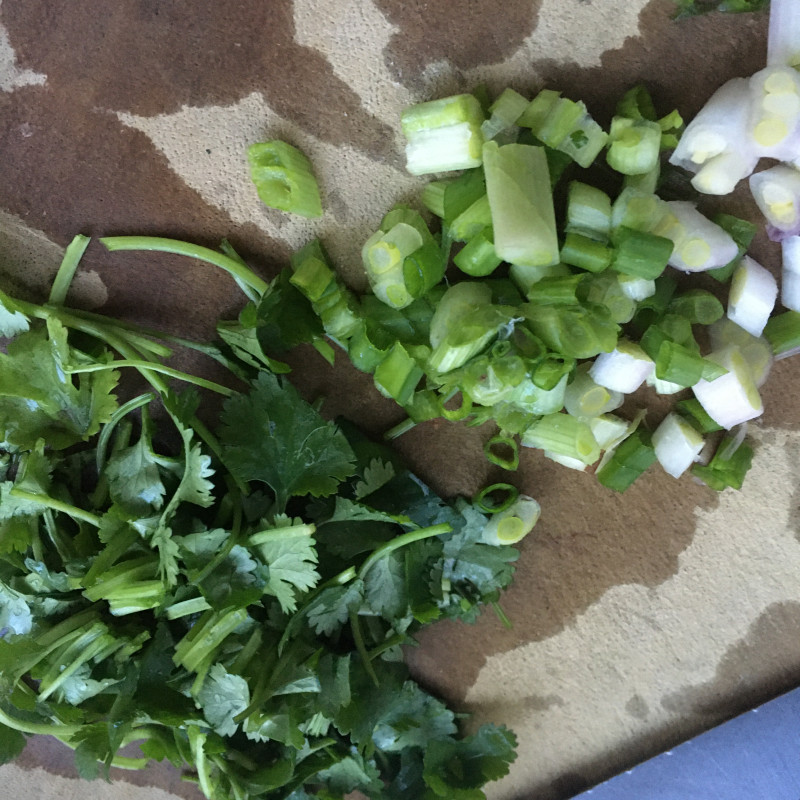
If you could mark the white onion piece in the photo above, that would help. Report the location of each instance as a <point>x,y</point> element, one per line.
<point>677,445</point>
<point>624,369</point>
<point>700,244</point>
<point>752,296</point>
<point>732,398</point>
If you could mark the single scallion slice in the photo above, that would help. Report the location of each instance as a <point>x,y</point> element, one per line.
<point>697,416</point>
<point>523,218</point>
<point>588,211</point>
<point>752,296</point>
<point>585,253</point>
<point>443,135</point>
<point>624,369</point>
<point>639,253</point>
<point>698,306</point>
<point>397,375</point>
<point>510,525</point>
<point>563,434</point>
<point>284,178</point>
<point>634,145</point>
<point>783,333</point>
<point>572,330</point>
<point>504,113</point>
<point>630,459</point>
<point>677,445</point>
<point>478,256</point>
<point>726,472</point>
<point>586,398</point>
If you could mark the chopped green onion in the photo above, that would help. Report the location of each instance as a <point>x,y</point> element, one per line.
<point>397,375</point>
<point>585,398</point>
<point>556,291</point>
<point>677,445</point>
<point>733,397</point>
<point>518,188</point>
<point>483,500</point>
<point>284,178</point>
<point>581,251</point>
<point>637,289</point>
<point>639,253</point>
<point>783,333</point>
<point>724,472</point>
<point>699,243</point>
<point>505,111</point>
<point>503,451</point>
<point>588,211</point>
<point>443,135</point>
<point>678,364</point>
<point>634,145</point>
<point>634,456</point>
<point>549,371</point>
<point>432,197</point>
<point>606,291</point>
<point>698,306</point>
<point>622,370</point>
<point>525,277</point>
<point>563,434</point>
<point>572,330</point>
<point>742,233</point>
<point>478,256</point>
<point>696,415</point>
<point>752,296</point>
<point>510,525</point>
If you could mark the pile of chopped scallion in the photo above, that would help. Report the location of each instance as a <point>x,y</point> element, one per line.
<point>522,294</point>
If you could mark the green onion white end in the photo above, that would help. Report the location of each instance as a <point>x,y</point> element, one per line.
<point>677,444</point>
<point>752,296</point>
<point>699,243</point>
<point>777,194</point>
<point>510,526</point>
<point>443,135</point>
<point>624,369</point>
<point>732,398</point>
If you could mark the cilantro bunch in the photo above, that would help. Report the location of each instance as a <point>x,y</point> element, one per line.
<point>230,597</point>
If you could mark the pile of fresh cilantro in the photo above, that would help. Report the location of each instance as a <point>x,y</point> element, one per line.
<point>232,597</point>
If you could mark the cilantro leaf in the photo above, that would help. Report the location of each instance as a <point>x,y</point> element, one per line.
<point>12,320</point>
<point>457,769</point>
<point>351,773</point>
<point>222,697</point>
<point>330,609</point>
<point>285,318</point>
<point>272,435</point>
<point>385,587</point>
<point>376,474</point>
<point>12,743</point>
<point>291,557</point>
<point>134,481</point>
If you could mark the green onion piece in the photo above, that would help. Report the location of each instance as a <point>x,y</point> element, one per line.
<point>311,271</point>
<point>503,451</point>
<point>513,523</point>
<point>641,254</point>
<point>742,231</point>
<point>458,300</point>
<point>671,328</point>
<point>525,277</point>
<point>585,398</point>
<point>526,344</point>
<point>283,178</point>
<point>432,197</point>
<point>696,415</point>
<point>783,332</point>
<point>483,500</point>
<point>606,291</point>
<point>642,211</point>
<point>470,222</point>
<point>539,109</point>
<point>588,211</point>
<point>491,380</point>
<point>505,111</point>
<point>561,120</point>
<point>698,306</point>
<point>564,435</point>
<point>637,103</point>
<point>461,193</point>
<point>473,333</point>
<point>634,145</point>
<point>556,291</point>
<point>678,364</point>
<point>424,405</point>
<point>368,346</point>
<point>572,330</point>
<point>397,375</point>
<point>457,414</point>
<point>645,181</point>
<point>581,251</point>
<point>478,257</point>
<point>630,460</point>
<point>443,135</point>
<point>551,370</point>
<point>521,203</point>
<point>721,473</point>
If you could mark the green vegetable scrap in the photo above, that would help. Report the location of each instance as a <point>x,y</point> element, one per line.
<point>236,604</point>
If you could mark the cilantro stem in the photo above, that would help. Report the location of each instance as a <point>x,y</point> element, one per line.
<point>57,505</point>
<point>402,541</point>
<point>358,640</point>
<point>154,367</point>
<point>66,271</point>
<point>236,269</point>
<point>109,427</point>
<point>43,728</point>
